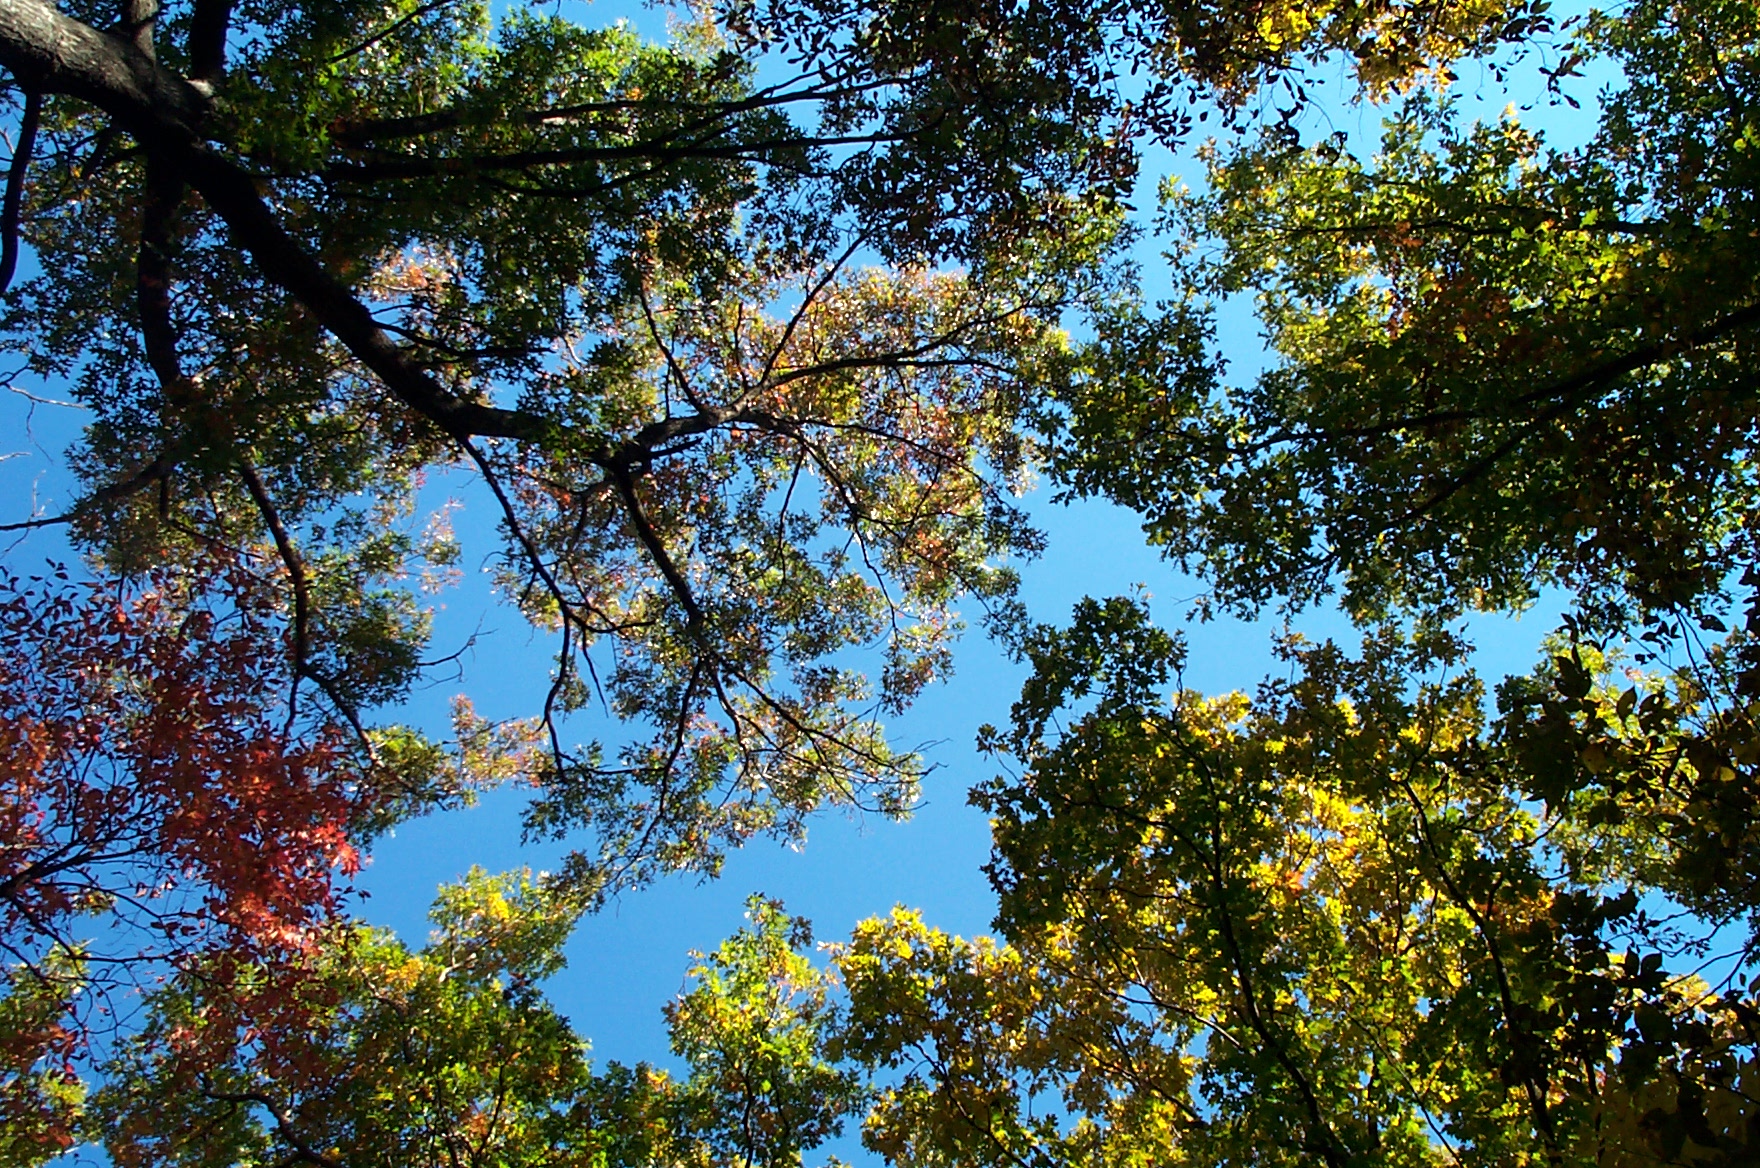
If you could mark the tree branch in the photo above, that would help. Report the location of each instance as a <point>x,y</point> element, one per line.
<point>363,133</point>
<point>662,150</point>
<point>655,546</point>
<point>57,54</point>
<point>21,161</point>
<point>283,1121</point>
<point>296,573</point>
<point>1563,393</point>
<point>138,20</point>
<point>208,25</point>
<point>231,192</point>
<point>153,277</point>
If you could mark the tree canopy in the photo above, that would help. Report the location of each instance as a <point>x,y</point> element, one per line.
<point>744,363</point>
<point>1499,366</point>
<point>752,339</point>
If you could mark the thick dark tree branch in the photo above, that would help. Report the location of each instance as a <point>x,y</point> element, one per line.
<point>138,19</point>
<point>11,210</point>
<point>153,277</point>
<point>231,192</point>
<point>44,521</point>
<point>155,471</point>
<point>208,25</point>
<point>54,53</point>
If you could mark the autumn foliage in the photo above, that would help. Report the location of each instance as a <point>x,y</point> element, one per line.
<point>161,800</point>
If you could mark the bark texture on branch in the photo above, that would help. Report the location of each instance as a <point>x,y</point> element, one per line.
<point>57,54</point>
